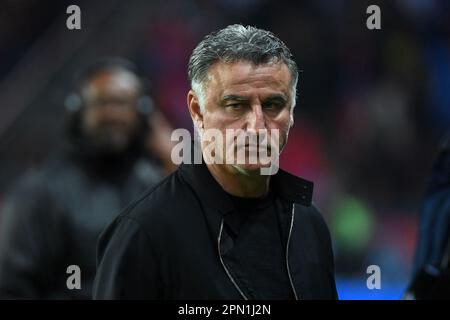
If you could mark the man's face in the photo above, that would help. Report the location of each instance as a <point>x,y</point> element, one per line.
<point>249,97</point>
<point>110,119</point>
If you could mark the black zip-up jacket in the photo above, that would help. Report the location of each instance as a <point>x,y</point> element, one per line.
<point>173,243</point>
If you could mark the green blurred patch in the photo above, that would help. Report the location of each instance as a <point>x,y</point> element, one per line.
<point>352,223</point>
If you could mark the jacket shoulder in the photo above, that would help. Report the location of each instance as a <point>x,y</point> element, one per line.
<point>165,201</point>
<point>313,228</point>
<point>312,215</point>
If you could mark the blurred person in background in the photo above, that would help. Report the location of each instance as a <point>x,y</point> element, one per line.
<point>431,270</point>
<point>53,215</point>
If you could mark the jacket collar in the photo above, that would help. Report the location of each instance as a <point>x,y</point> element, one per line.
<point>287,186</point>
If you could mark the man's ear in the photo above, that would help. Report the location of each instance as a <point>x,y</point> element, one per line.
<point>194,108</point>
<point>291,120</point>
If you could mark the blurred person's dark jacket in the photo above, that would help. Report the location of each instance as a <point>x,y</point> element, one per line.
<point>54,215</point>
<point>431,265</point>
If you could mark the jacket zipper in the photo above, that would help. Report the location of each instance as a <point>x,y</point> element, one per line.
<point>287,254</point>
<point>287,259</point>
<point>223,264</point>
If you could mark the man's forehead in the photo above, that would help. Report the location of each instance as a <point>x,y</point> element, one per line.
<point>244,73</point>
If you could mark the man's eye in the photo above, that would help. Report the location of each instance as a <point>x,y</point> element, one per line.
<point>235,106</point>
<point>272,106</point>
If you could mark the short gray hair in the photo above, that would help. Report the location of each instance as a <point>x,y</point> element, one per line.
<point>238,43</point>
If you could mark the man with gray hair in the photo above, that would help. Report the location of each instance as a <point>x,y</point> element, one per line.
<point>222,229</point>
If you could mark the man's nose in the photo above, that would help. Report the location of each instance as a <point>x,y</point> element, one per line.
<point>256,120</point>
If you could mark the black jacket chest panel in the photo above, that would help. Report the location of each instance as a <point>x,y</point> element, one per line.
<point>184,227</point>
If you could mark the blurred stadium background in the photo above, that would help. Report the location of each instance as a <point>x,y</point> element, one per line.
<point>372,103</point>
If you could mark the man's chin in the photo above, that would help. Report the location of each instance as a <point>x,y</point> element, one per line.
<point>249,169</point>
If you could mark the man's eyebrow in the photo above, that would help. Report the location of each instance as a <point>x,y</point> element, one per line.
<point>234,97</point>
<point>276,97</point>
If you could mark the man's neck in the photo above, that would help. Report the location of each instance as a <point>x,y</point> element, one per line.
<point>239,184</point>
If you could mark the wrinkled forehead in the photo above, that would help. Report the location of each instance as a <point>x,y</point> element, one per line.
<point>244,75</point>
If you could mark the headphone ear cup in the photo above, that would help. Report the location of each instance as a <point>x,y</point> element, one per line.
<point>145,105</point>
<point>73,103</point>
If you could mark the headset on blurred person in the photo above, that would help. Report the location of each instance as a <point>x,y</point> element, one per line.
<point>74,102</point>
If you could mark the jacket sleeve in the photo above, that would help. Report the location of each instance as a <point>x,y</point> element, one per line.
<point>324,235</point>
<point>27,242</point>
<point>126,264</point>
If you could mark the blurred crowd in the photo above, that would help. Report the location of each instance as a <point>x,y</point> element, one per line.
<point>371,107</point>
